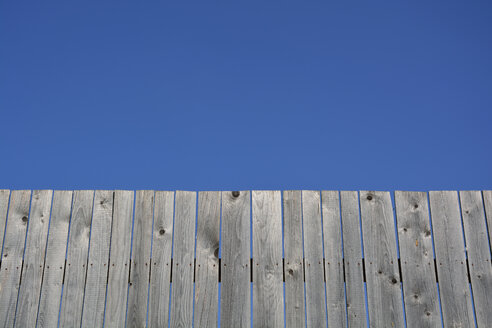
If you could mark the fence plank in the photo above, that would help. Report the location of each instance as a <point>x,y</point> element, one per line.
<point>268,305</point>
<point>160,273</point>
<point>450,256</point>
<point>140,270</point>
<point>381,260</point>
<point>417,261</point>
<point>97,267</point>
<point>76,266</point>
<point>477,245</point>
<point>313,254</point>
<point>121,231</point>
<point>32,272</point>
<point>4,205</point>
<point>352,250</point>
<point>332,232</point>
<point>235,292</point>
<point>207,259</point>
<point>487,199</point>
<point>54,264</point>
<point>293,268</point>
<point>13,249</point>
<point>183,260</point>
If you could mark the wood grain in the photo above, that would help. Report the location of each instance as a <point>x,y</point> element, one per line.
<point>4,206</point>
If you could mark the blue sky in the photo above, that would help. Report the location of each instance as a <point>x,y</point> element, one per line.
<point>246,95</point>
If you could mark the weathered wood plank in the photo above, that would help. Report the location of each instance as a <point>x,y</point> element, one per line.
<point>352,250</point>
<point>293,268</point>
<point>332,232</point>
<point>477,245</point>
<point>97,265</point>
<point>235,292</point>
<point>381,260</point>
<point>51,288</point>
<point>417,261</point>
<point>268,305</point>
<point>454,289</point>
<point>32,272</point>
<point>207,259</point>
<point>4,205</point>
<point>183,259</point>
<point>487,200</point>
<point>140,269</point>
<point>76,266</point>
<point>121,236</point>
<point>160,274</point>
<point>313,254</point>
<point>13,249</point>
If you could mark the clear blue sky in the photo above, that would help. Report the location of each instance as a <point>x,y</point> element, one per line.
<point>246,95</point>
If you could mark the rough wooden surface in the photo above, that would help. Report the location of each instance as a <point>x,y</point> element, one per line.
<point>313,263</point>
<point>477,245</point>
<point>13,249</point>
<point>183,259</point>
<point>352,250</point>
<point>76,267</point>
<point>454,288</point>
<point>119,264</point>
<point>293,257</point>
<point>381,260</point>
<point>207,259</point>
<point>487,199</point>
<point>268,306</point>
<point>4,205</point>
<point>32,272</point>
<point>160,274</point>
<point>235,292</point>
<point>417,261</point>
<point>332,239</point>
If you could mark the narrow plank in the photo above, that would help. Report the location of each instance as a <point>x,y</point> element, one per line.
<point>417,260</point>
<point>32,272</point>
<point>352,251</point>
<point>4,206</point>
<point>454,289</point>
<point>293,268</point>
<point>313,254</point>
<point>161,259</point>
<point>268,305</point>
<point>13,249</point>
<point>207,259</point>
<point>332,232</point>
<point>121,236</point>
<point>183,259</point>
<point>51,287</point>
<point>235,296</point>
<point>140,269</point>
<point>487,199</point>
<point>76,266</point>
<point>381,260</point>
<point>97,265</point>
<point>477,245</point>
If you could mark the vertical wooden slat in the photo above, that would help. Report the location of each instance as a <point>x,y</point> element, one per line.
<point>51,288</point>
<point>268,296</point>
<point>235,295</point>
<point>352,251</point>
<point>381,260</point>
<point>207,259</point>
<point>293,268</point>
<point>454,289</point>
<point>121,232</point>
<point>313,254</point>
<point>160,273</point>
<point>4,205</point>
<point>417,261</point>
<point>332,232</point>
<point>477,245</point>
<point>75,272</point>
<point>32,272</point>
<point>183,259</point>
<point>487,200</point>
<point>13,249</point>
<point>97,265</point>
<point>140,270</point>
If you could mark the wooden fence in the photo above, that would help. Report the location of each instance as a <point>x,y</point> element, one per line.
<point>261,258</point>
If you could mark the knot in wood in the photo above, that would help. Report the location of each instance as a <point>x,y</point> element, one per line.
<point>162,231</point>
<point>369,197</point>
<point>235,194</point>
<point>24,219</point>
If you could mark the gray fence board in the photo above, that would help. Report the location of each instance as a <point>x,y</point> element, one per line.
<point>4,205</point>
